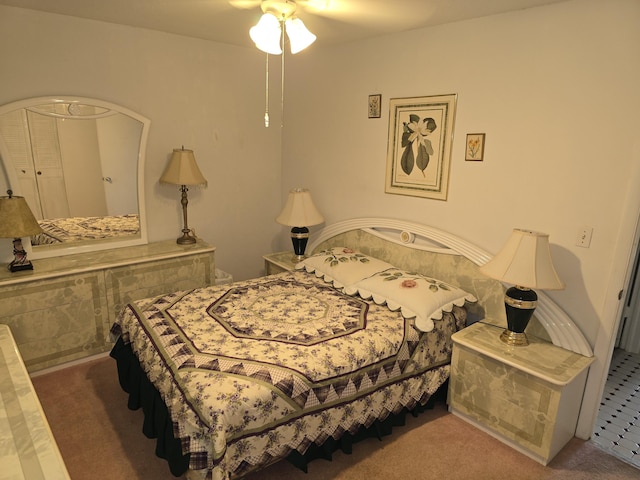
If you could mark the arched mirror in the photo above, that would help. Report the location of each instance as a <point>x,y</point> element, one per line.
<point>79,163</point>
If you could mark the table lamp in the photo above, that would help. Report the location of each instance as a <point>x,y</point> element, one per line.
<point>525,262</point>
<point>299,213</point>
<point>183,170</point>
<point>17,221</point>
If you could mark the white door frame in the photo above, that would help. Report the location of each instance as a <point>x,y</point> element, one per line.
<point>623,259</point>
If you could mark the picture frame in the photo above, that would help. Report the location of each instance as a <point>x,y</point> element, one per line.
<point>474,147</point>
<point>419,145</point>
<point>375,105</point>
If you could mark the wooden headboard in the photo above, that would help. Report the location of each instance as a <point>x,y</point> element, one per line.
<point>441,255</point>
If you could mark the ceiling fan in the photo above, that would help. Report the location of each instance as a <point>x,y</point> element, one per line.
<point>280,16</point>
<point>312,5</point>
<point>379,14</point>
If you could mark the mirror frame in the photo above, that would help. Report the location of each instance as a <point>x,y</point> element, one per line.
<point>12,180</point>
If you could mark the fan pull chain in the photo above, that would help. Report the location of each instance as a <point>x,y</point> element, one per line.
<point>282,75</point>
<point>266,95</point>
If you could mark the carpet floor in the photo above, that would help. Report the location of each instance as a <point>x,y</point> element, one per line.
<point>99,438</point>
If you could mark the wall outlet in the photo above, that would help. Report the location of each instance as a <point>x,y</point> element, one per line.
<point>584,237</point>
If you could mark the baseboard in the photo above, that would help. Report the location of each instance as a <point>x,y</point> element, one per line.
<point>72,363</point>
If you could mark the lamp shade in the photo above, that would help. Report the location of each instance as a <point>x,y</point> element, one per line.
<point>266,34</point>
<point>525,260</point>
<point>299,36</point>
<point>16,219</point>
<point>183,169</point>
<point>299,211</point>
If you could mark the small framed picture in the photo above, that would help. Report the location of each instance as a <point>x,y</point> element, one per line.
<point>474,151</point>
<point>375,102</point>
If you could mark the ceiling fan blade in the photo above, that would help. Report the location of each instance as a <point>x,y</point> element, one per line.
<point>372,13</point>
<point>245,4</point>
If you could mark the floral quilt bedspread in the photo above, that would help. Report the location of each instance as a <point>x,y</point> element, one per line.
<point>252,370</point>
<point>73,229</point>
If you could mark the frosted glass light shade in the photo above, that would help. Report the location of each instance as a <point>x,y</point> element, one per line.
<point>16,218</point>
<point>299,36</point>
<point>183,169</point>
<point>525,260</point>
<point>266,34</point>
<point>299,211</point>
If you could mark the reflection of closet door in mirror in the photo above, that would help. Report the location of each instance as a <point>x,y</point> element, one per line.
<point>15,133</point>
<point>79,145</point>
<point>47,162</point>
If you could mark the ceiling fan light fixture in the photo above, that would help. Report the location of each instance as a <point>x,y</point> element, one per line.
<point>266,34</point>
<point>299,35</point>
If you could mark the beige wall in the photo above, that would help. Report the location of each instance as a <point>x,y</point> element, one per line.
<point>554,88</point>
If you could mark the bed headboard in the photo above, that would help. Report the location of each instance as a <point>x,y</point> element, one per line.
<point>441,255</point>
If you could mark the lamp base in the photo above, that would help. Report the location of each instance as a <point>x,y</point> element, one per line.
<point>514,339</point>
<point>299,238</point>
<point>19,268</point>
<point>20,262</point>
<point>186,239</point>
<point>519,303</point>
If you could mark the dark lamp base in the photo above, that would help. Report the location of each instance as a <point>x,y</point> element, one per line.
<point>299,238</point>
<point>520,303</point>
<point>19,268</point>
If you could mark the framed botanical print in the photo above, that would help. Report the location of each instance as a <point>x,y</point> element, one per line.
<point>375,105</point>
<point>419,145</point>
<point>474,149</point>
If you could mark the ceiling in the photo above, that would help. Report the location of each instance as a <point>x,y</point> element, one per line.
<point>228,21</point>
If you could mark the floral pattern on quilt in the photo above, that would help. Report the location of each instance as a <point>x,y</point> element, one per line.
<point>241,395</point>
<point>288,311</point>
<point>73,229</point>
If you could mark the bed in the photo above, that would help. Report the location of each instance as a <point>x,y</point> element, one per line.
<point>75,229</point>
<point>235,377</point>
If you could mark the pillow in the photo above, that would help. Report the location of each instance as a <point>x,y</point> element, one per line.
<point>343,266</point>
<point>413,294</point>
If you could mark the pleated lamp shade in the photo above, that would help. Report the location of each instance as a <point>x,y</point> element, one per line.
<point>183,169</point>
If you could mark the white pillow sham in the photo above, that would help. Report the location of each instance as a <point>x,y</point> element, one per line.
<point>413,294</point>
<point>343,266</point>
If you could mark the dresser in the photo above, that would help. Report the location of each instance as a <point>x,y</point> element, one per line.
<point>528,397</point>
<point>28,450</point>
<point>63,309</point>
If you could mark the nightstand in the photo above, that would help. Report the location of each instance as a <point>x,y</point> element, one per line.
<point>279,262</point>
<point>528,397</point>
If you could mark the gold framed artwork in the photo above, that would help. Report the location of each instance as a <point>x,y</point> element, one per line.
<point>474,150</point>
<point>419,145</point>
<point>375,104</point>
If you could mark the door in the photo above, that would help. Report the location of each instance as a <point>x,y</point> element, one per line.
<point>16,140</point>
<point>629,332</point>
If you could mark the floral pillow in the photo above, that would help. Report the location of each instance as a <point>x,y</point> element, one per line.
<point>413,294</point>
<point>343,266</point>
